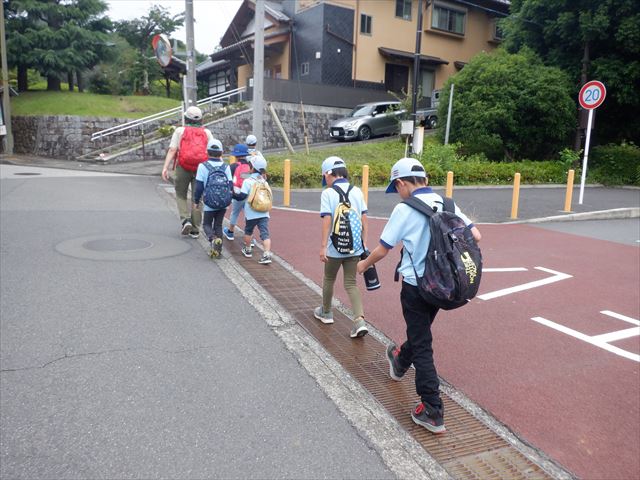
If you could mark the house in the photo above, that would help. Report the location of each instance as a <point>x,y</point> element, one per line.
<point>365,44</point>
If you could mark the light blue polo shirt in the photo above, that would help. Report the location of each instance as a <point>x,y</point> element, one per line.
<point>412,228</point>
<point>329,201</point>
<point>203,174</point>
<point>250,213</point>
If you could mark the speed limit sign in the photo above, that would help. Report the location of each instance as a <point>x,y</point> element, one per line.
<point>592,95</point>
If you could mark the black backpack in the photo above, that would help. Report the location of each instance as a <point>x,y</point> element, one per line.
<point>217,193</point>
<point>453,266</point>
<point>346,231</point>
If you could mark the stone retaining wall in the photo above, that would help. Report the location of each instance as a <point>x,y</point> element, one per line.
<point>69,137</point>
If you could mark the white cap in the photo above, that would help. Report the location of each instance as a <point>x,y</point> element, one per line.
<point>214,145</point>
<point>258,161</point>
<point>193,113</point>
<point>251,140</point>
<point>405,167</point>
<point>329,164</point>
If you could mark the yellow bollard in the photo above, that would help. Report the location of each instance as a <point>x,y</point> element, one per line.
<point>365,183</point>
<point>516,196</point>
<point>287,183</point>
<point>569,195</point>
<point>449,191</point>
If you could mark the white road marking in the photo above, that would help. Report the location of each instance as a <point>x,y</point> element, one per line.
<point>595,340</point>
<point>509,269</point>
<point>556,277</point>
<point>624,318</point>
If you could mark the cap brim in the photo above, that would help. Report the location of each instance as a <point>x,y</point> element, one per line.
<point>391,188</point>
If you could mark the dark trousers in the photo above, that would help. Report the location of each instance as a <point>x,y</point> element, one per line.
<point>419,316</point>
<point>212,223</point>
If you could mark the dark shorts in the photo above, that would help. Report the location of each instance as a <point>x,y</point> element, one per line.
<point>263,226</point>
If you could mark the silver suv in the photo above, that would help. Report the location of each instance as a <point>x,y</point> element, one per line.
<point>367,120</point>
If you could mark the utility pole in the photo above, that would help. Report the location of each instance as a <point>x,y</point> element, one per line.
<point>192,88</point>
<point>416,67</point>
<point>258,73</point>
<point>6,103</point>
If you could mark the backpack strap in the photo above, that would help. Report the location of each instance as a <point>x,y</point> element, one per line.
<point>208,167</point>
<point>427,211</point>
<point>448,205</point>
<point>344,196</point>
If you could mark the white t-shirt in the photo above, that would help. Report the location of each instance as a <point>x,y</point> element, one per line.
<point>329,200</point>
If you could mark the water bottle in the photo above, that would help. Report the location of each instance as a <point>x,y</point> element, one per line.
<point>371,281</point>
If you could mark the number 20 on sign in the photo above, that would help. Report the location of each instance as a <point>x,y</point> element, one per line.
<point>591,96</point>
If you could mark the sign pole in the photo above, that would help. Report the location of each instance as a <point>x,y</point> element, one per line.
<point>446,134</point>
<point>583,177</point>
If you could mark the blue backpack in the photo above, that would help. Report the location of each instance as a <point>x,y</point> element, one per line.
<point>217,193</point>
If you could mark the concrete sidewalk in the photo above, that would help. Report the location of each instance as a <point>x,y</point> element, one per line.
<point>484,204</point>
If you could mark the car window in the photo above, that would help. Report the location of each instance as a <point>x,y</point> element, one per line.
<point>360,111</point>
<point>381,108</point>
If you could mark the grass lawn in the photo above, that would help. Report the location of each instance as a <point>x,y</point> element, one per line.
<point>88,104</point>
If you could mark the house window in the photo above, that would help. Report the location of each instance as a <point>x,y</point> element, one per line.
<point>448,19</point>
<point>219,82</point>
<point>365,24</point>
<point>498,35</point>
<point>304,68</point>
<point>403,9</point>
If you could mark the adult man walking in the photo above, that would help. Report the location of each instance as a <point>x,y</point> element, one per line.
<point>190,145</point>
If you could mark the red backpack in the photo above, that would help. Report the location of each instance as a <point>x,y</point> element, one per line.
<point>240,174</point>
<point>193,148</point>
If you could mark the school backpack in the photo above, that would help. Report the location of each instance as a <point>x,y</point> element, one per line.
<point>240,174</point>
<point>453,265</point>
<point>260,197</point>
<point>193,148</point>
<point>217,194</point>
<point>346,233</point>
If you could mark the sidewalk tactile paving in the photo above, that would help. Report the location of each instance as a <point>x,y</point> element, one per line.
<point>469,449</point>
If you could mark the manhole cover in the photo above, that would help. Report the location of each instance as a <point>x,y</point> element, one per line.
<point>117,244</point>
<point>27,173</point>
<point>123,247</point>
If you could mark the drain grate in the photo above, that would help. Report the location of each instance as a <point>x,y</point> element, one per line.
<point>468,450</point>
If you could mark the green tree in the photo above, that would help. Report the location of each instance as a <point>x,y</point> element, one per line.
<point>509,106</point>
<point>56,37</point>
<point>139,33</point>
<point>590,39</point>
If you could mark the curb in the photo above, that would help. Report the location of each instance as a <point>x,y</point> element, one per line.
<point>615,213</point>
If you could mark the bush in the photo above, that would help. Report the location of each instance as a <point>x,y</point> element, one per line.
<point>615,164</point>
<point>437,159</point>
<point>509,107</point>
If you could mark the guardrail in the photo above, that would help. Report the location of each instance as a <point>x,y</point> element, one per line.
<point>140,122</point>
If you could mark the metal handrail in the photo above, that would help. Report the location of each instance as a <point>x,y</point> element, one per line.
<point>157,116</point>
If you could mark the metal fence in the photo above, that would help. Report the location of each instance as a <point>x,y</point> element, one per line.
<point>290,91</point>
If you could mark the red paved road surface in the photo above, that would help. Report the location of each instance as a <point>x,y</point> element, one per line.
<point>578,403</point>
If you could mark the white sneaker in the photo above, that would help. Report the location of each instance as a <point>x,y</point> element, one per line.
<point>247,251</point>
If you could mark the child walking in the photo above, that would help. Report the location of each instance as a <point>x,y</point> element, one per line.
<point>214,183</point>
<point>336,177</point>
<point>256,195</point>
<point>407,225</point>
<point>239,172</point>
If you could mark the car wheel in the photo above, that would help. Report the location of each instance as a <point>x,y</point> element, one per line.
<point>364,132</point>
<point>433,122</point>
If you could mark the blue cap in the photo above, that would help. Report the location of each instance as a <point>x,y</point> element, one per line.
<point>405,167</point>
<point>240,150</point>
<point>329,164</point>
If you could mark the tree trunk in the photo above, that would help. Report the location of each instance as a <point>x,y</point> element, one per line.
<point>145,84</point>
<point>168,85</point>
<point>23,78</point>
<point>53,83</point>
<point>583,79</point>
<point>70,80</point>
<point>79,81</point>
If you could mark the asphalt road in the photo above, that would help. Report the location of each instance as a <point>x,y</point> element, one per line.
<point>125,353</point>
<point>493,204</point>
